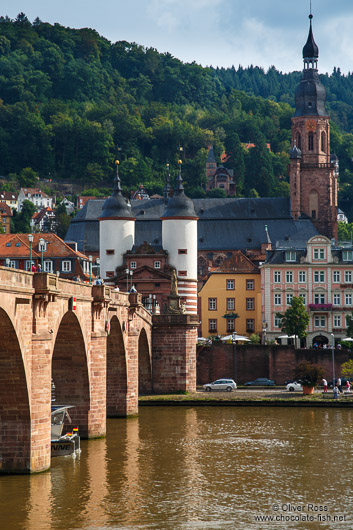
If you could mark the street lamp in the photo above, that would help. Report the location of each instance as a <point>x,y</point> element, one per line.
<point>30,239</point>
<point>98,262</point>
<point>234,342</point>
<point>264,328</point>
<point>127,279</point>
<point>90,269</point>
<point>333,360</point>
<point>41,248</point>
<point>131,273</point>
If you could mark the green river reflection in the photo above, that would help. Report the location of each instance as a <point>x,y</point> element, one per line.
<point>196,468</point>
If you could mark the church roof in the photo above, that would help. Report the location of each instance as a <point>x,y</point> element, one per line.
<point>310,50</point>
<point>116,206</point>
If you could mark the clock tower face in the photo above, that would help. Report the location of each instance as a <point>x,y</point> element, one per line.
<point>311,125</point>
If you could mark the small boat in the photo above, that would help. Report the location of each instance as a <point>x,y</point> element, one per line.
<point>63,444</point>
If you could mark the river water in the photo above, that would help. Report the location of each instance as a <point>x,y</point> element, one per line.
<point>212,468</point>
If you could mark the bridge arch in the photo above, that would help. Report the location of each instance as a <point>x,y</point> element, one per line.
<point>15,437</point>
<point>70,373</point>
<point>116,370</point>
<point>144,364</point>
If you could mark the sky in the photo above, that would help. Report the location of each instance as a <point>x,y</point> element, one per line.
<point>212,32</point>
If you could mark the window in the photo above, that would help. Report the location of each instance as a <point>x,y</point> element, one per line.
<point>336,299</point>
<point>291,255</point>
<point>278,299</point>
<point>319,253</point>
<point>230,284</point>
<point>66,266</point>
<point>310,141</point>
<point>250,304</point>
<point>320,321</point>
<point>157,264</point>
<point>212,304</point>
<point>12,264</point>
<point>348,299</point>
<point>250,285</point>
<point>289,277</point>
<point>230,304</point>
<point>319,276</point>
<point>28,265</point>
<point>336,276</point>
<point>303,297</point>
<point>337,321</point>
<point>250,325</point>
<point>348,276</point>
<point>277,277</point>
<point>48,266</point>
<point>133,265</point>
<point>278,322</point>
<point>302,276</point>
<point>212,325</point>
<point>182,251</point>
<point>289,298</point>
<point>182,273</point>
<point>110,251</point>
<point>347,255</point>
<point>230,324</point>
<point>319,298</point>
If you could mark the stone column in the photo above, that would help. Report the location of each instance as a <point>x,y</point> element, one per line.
<point>174,353</point>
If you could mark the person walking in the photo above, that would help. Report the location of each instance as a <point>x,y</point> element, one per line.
<point>335,392</point>
<point>339,384</point>
<point>348,386</point>
<point>324,382</point>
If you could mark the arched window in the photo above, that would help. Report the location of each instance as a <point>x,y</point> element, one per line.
<point>314,204</point>
<point>201,267</point>
<point>310,141</point>
<point>299,141</point>
<point>323,141</point>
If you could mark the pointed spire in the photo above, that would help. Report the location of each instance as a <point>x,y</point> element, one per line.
<point>167,188</point>
<point>310,50</point>
<point>117,182</point>
<point>179,188</point>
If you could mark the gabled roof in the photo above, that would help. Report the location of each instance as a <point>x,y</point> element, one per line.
<point>38,216</point>
<point>17,245</point>
<point>34,191</point>
<point>5,209</point>
<point>8,196</point>
<point>147,273</point>
<point>238,263</point>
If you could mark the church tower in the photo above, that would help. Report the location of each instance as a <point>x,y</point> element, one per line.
<point>313,182</point>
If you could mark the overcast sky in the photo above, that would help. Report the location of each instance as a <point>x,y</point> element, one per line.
<point>212,32</point>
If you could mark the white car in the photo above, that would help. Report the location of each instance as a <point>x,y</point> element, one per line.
<point>294,387</point>
<point>221,384</point>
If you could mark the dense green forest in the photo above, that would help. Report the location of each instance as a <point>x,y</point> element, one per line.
<point>71,102</point>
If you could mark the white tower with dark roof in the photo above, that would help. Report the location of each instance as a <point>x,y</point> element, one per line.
<point>116,230</point>
<point>179,238</point>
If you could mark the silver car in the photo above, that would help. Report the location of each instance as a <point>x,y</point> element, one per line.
<point>292,387</point>
<point>221,384</point>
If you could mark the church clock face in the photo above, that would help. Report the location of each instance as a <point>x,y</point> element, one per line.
<point>311,125</point>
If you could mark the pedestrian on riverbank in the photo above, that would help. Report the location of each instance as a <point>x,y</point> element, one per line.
<point>324,382</point>
<point>339,384</point>
<point>348,386</point>
<point>335,392</point>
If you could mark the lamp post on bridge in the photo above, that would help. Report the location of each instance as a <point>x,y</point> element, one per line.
<point>98,261</point>
<point>42,248</point>
<point>234,342</point>
<point>90,269</point>
<point>30,239</point>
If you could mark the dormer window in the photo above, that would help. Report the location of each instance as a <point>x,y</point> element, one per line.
<point>291,255</point>
<point>319,253</point>
<point>347,255</point>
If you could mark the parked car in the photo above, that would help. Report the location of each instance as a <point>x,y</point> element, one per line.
<point>294,387</point>
<point>261,381</point>
<point>221,384</point>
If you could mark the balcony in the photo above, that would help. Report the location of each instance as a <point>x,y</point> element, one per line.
<point>320,307</point>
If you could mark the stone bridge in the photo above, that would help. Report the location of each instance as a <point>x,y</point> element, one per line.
<point>95,344</point>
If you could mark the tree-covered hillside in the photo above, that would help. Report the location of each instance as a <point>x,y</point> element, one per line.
<point>71,102</point>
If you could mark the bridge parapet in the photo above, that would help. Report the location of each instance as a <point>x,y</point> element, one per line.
<point>14,280</point>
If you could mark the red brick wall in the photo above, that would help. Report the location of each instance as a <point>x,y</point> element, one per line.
<point>274,362</point>
<point>174,353</point>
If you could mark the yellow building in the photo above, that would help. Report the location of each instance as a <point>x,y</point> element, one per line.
<point>234,288</point>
